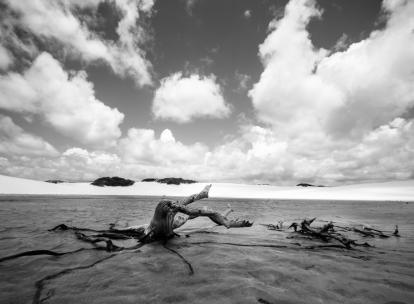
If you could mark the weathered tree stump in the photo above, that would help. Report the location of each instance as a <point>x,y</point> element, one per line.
<point>166,219</point>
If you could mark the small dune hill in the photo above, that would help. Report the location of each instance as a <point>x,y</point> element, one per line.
<point>149,180</point>
<point>170,180</point>
<point>308,185</point>
<point>114,181</point>
<point>54,181</point>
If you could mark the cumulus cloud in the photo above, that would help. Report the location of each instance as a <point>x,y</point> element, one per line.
<point>189,6</point>
<point>288,93</point>
<point>66,102</point>
<point>141,146</point>
<point>247,14</point>
<point>259,155</point>
<point>15,141</point>
<point>324,116</point>
<point>255,155</point>
<point>344,93</point>
<point>81,164</point>
<point>6,59</point>
<point>383,154</point>
<point>145,155</point>
<point>375,75</point>
<point>183,99</point>
<point>242,81</point>
<point>337,112</point>
<point>139,154</point>
<point>75,164</point>
<point>59,21</point>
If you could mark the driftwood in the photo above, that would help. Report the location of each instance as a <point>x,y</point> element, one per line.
<point>165,220</point>
<point>161,228</point>
<point>170,215</point>
<point>329,232</point>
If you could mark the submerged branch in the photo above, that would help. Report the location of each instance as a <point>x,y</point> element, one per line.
<point>327,234</point>
<point>240,245</point>
<point>38,252</point>
<point>190,267</point>
<point>41,283</point>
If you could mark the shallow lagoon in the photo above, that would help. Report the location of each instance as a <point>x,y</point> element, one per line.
<point>223,273</point>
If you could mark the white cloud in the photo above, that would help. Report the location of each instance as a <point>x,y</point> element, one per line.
<point>6,58</point>
<point>182,99</point>
<point>376,75</point>
<point>256,155</point>
<point>189,6</point>
<point>342,43</point>
<point>141,146</point>
<point>288,93</point>
<point>383,154</point>
<point>23,48</point>
<point>57,20</point>
<point>247,14</point>
<point>67,103</point>
<point>338,113</point>
<point>15,141</point>
<point>140,154</point>
<point>242,81</point>
<point>80,164</point>
<point>304,89</point>
<point>330,116</point>
<point>75,164</point>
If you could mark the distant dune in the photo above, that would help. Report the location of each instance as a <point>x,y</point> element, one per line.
<point>392,191</point>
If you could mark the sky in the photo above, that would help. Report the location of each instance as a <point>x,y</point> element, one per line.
<point>252,91</point>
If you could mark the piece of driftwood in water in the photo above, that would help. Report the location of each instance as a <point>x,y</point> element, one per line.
<point>328,233</point>
<point>40,284</point>
<point>278,226</point>
<point>166,218</point>
<point>38,252</point>
<point>396,232</point>
<point>161,227</point>
<point>163,223</point>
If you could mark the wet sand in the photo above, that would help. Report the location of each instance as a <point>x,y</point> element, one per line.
<point>247,265</point>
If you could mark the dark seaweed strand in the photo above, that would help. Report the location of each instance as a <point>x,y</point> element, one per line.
<point>38,252</point>
<point>263,301</point>
<point>41,283</point>
<point>190,267</point>
<point>109,247</point>
<point>241,245</point>
<point>327,246</point>
<point>64,227</point>
<point>269,245</point>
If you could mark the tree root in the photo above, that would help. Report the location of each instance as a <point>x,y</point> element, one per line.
<point>41,283</point>
<point>327,246</point>
<point>38,252</point>
<point>327,234</point>
<point>263,301</point>
<point>276,246</point>
<point>95,240</point>
<point>240,245</point>
<point>161,227</point>
<point>64,227</point>
<point>190,267</point>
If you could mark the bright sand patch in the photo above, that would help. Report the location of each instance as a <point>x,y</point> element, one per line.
<point>397,190</point>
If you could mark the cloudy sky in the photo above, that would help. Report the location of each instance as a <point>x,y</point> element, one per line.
<point>258,91</point>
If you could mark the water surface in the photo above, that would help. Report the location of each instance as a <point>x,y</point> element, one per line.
<point>223,271</point>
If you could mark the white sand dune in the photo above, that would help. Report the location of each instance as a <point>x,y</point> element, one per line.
<point>396,191</point>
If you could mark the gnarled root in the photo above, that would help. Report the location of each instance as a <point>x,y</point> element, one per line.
<point>327,233</point>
